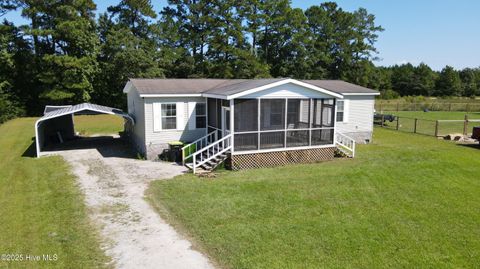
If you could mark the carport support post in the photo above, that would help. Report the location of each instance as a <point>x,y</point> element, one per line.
<point>415,126</point>
<point>436,128</point>
<point>465,125</point>
<point>398,120</point>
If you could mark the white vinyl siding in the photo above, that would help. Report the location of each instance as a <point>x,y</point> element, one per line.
<point>358,116</point>
<point>183,132</point>
<point>288,90</point>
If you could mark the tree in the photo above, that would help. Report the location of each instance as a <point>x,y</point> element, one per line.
<point>402,79</point>
<point>10,106</point>
<point>423,81</point>
<point>342,42</point>
<point>64,46</point>
<point>469,83</point>
<point>127,50</point>
<point>448,83</point>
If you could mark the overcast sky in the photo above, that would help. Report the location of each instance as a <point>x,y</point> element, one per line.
<point>437,32</point>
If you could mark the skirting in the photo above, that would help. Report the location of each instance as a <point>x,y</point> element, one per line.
<point>279,158</point>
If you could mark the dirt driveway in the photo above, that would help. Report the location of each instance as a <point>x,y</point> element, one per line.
<point>134,235</point>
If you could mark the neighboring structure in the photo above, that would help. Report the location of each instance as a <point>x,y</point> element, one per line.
<point>257,122</point>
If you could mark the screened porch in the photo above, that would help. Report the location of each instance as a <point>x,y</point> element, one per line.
<point>273,124</point>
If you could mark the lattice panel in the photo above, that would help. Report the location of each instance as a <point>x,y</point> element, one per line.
<point>270,159</point>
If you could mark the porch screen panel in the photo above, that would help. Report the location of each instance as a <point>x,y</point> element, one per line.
<point>298,138</point>
<point>272,140</point>
<point>246,115</point>
<point>212,112</point>
<point>246,141</point>
<point>298,114</point>
<point>322,137</point>
<point>272,114</point>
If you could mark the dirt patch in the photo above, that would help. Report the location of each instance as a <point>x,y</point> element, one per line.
<point>134,235</point>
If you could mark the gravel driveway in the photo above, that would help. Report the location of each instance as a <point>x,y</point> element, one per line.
<point>134,235</point>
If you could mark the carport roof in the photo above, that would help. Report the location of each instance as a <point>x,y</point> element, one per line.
<point>84,107</point>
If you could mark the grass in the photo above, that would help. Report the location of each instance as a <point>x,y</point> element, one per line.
<point>41,208</point>
<point>426,121</point>
<point>405,201</point>
<point>98,124</point>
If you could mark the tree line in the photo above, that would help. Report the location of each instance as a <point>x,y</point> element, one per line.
<point>66,55</point>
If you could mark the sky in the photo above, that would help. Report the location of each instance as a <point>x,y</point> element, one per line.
<point>436,32</point>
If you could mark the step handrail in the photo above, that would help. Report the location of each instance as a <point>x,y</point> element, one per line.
<point>221,146</point>
<point>200,141</point>
<point>346,143</point>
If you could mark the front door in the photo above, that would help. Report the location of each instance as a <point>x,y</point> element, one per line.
<point>225,121</point>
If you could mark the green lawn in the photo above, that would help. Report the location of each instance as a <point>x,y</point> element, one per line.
<point>405,201</point>
<point>426,121</point>
<point>98,124</point>
<point>41,208</point>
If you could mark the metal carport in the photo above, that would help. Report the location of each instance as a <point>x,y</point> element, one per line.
<point>59,121</point>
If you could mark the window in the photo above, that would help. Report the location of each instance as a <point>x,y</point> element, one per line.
<point>340,110</point>
<point>200,116</point>
<point>169,116</point>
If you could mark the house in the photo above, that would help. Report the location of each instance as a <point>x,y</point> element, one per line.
<point>250,122</point>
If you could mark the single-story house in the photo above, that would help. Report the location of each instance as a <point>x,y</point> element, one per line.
<point>249,122</point>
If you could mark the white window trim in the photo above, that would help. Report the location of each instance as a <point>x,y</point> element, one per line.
<point>345,110</point>
<point>160,122</point>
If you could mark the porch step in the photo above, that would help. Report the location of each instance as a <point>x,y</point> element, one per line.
<point>209,165</point>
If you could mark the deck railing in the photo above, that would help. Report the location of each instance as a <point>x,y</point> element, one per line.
<point>190,149</point>
<point>345,144</point>
<point>211,151</point>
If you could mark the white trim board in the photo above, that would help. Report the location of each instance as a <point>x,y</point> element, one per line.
<point>283,82</point>
<point>281,149</point>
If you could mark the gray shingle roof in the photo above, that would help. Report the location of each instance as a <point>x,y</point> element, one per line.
<point>340,86</point>
<point>232,86</point>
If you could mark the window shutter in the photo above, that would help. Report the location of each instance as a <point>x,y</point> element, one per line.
<point>191,116</point>
<point>180,115</point>
<point>157,117</point>
<point>346,109</point>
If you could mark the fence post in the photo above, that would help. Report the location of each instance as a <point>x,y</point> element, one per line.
<point>398,119</point>
<point>383,119</point>
<point>436,128</point>
<point>415,126</point>
<point>465,125</point>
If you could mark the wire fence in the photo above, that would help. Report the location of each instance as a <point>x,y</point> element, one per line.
<point>420,106</point>
<point>437,128</point>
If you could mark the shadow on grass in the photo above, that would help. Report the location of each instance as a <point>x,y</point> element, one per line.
<point>31,151</point>
<point>107,146</point>
<point>473,146</point>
